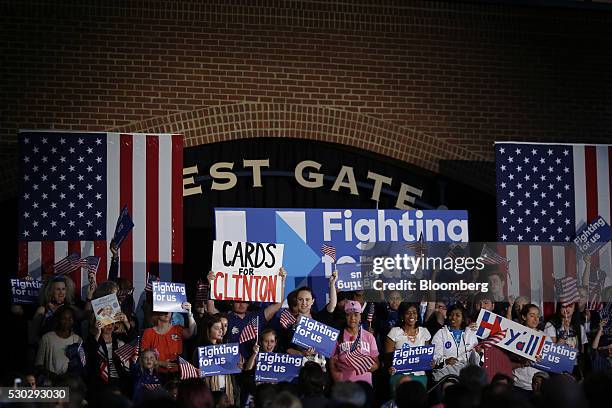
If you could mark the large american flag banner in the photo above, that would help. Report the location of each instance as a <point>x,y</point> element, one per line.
<point>72,188</point>
<point>545,193</point>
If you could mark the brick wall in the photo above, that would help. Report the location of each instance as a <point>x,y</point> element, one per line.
<point>419,81</point>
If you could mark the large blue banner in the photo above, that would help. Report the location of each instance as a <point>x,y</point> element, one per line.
<point>219,359</point>
<point>410,359</point>
<point>310,333</point>
<point>277,367</point>
<point>348,231</point>
<point>557,358</point>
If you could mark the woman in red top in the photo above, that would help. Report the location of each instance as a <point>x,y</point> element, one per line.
<point>167,339</point>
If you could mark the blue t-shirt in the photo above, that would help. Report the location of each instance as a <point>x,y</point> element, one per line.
<point>457,336</point>
<point>235,325</point>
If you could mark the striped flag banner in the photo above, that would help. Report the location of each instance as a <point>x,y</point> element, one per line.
<point>91,263</point>
<point>370,315</point>
<point>287,319</point>
<point>152,387</point>
<point>187,369</point>
<point>250,330</point>
<point>546,193</point>
<point>329,251</point>
<point>128,352</point>
<point>73,186</point>
<point>490,257</point>
<point>356,359</point>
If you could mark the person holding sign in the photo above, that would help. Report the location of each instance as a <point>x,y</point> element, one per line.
<point>305,301</point>
<point>454,344</point>
<point>522,371</point>
<point>407,332</point>
<point>213,335</point>
<point>356,358</point>
<point>168,339</point>
<point>564,328</point>
<point>268,345</point>
<point>238,318</point>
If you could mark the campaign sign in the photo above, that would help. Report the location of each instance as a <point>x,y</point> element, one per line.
<point>349,277</point>
<point>409,359</point>
<point>557,358</point>
<point>593,236</point>
<point>277,367</point>
<point>169,297</point>
<point>25,292</point>
<point>219,359</point>
<point>519,339</point>
<point>310,333</point>
<point>105,308</point>
<point>124,226</point>
<point>247,271</point>
<point>350,231</point>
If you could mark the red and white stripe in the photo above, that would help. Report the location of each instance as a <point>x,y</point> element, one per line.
<point>145,172</point>
<point>493,339</point>
<point>533,268</point>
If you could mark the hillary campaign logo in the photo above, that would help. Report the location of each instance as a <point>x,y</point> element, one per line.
<point>519,339</point>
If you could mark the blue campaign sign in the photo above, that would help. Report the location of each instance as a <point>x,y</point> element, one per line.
<point>349,231</point>
<point>557,358</point>
<point>310,333</point>
<point>349,277</point>
<point>168,296</point>
<point>410,359</point>
<point>124,226</point>
<point>219,359</point>
<point>277,367</point>
<point>593,236</point>
<point>25,291</point>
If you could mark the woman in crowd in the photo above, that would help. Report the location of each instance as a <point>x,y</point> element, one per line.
<point>168,340</point>
<point>602,349</point>
<point>212,335</point>
<point>564,327</point>
<point>144,372</point>
<point>56,292</point>
<point>516,305</point>
<point>104,366</point>
<point>408,332</point>
<point>521,368</point>
<point>454,344</point>
<point>353,339</point>
<point>51,358</point>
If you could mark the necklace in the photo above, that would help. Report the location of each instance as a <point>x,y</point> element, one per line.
<point>411,338</point>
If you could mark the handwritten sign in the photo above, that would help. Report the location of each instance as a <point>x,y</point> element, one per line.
<point>169,297</point>
<point>219,359</point>
<point>277,367</point>
<point>246,271</point>
<point>310,333</point>
<point>519,339</point>
<point>410,359</point>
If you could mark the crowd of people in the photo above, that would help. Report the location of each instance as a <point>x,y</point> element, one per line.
<point>67,346</point>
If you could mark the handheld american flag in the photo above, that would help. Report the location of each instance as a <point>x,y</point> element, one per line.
<point>187,369</point>
<point>329,251</point>
<point>250,330</point>
<point>370,315</point>
<point>287,319</point>
<point>66,265</point>
<point>356,359</point>
<point>72,188</point>
<point>567,290</point>
<point>490,257</point>
<point>128,352</point>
